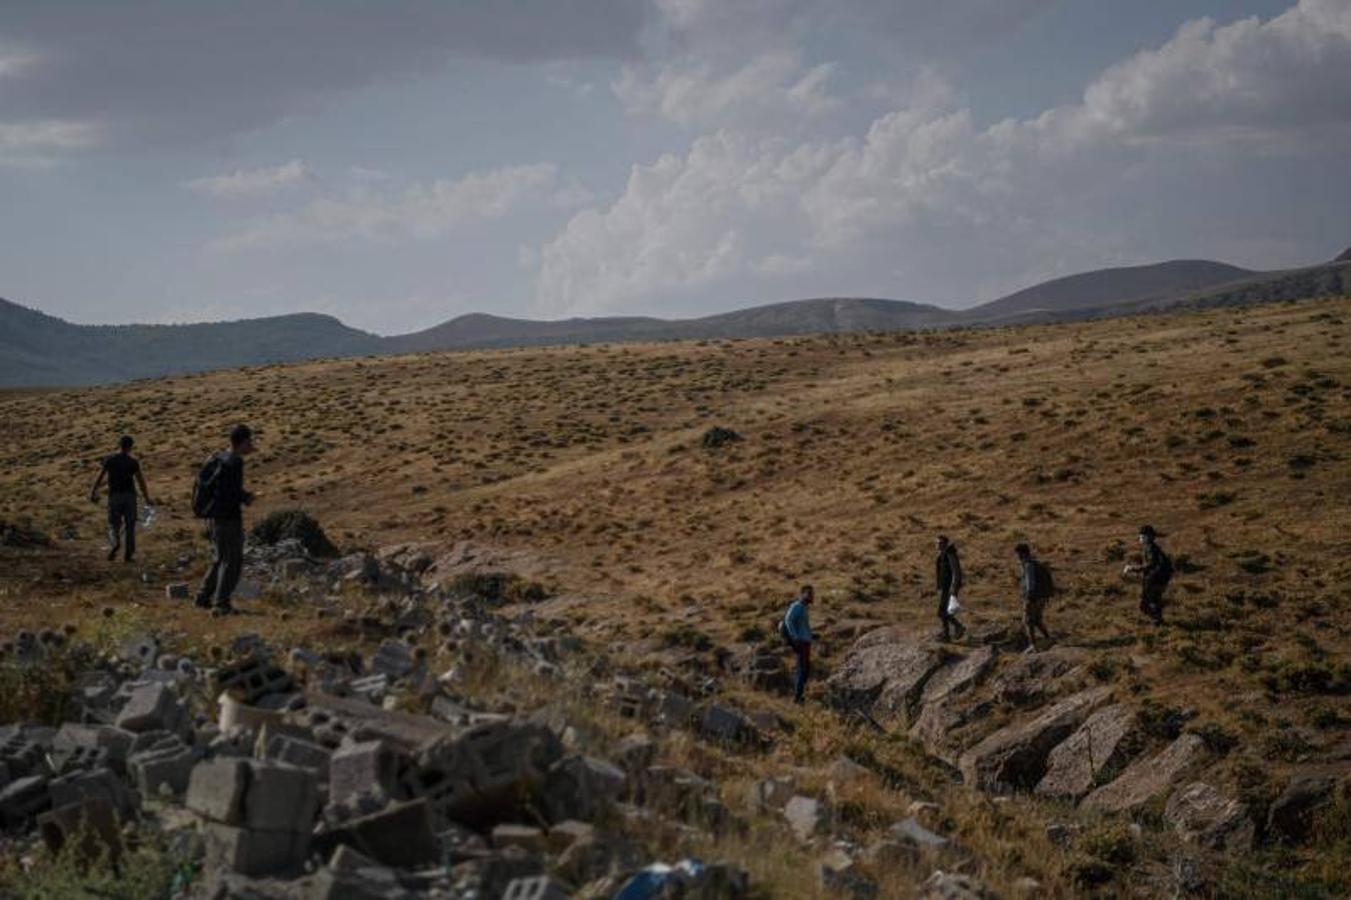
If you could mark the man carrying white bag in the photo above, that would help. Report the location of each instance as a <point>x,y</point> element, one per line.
<point>949,577</point>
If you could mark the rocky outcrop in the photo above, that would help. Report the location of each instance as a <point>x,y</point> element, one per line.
<point>1014,758</point>
<point>1104,743</point>
<point>1290,817</point>
<point>1204,816</point>
<point>958,675</point>
<point>883,674</point>
<point>1148,777</point>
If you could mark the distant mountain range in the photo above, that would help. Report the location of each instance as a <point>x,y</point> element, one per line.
<point>40,350</point>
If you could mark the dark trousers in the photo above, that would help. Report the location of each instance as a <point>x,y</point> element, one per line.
<point>803,651</point>
<point>948,621</point>
<point>122,523</point>
<point>1151,602</point>
<point>227,561</point>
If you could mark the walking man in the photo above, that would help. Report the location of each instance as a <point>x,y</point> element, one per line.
<point>949,577</point>
<point>123,472</point>
<point>219,497</point>
<point>1155,571</point>
<point>1037,588</point>
<point>797,630</point>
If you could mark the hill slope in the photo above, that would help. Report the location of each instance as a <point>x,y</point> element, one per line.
<point>1107,287</point>
<point>38,349</point>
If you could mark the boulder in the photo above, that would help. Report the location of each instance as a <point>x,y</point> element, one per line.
<point>840,876</point>
<point>1148,777</point>
<point>1014,757</point>
<point>953,886</point>
<point>1204,816</point>
<point>938,722</point>
<point>883,673</point>
<point>580,787</point>
<point>1104,743</point>
<point>958,675</point>
<point>1031,678</point>
<point>1291,815</point>
<point>806,816</point>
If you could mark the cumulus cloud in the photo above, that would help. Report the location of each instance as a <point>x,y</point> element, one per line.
<point>420,212</point>
<point>774,85</point>
<point>258,182</point>
<point>164,71</point>
<point>926,181</point>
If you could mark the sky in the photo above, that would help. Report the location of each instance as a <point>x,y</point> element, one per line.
<point>401,163</point>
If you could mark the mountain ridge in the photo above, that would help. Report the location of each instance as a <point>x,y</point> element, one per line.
<point>40,350</point>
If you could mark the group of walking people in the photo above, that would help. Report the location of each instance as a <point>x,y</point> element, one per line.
<point>1036,588</point>
<point>218,498</point>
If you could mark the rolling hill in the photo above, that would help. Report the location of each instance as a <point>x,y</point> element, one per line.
<point>40,350</point>
<point>1107,287</point>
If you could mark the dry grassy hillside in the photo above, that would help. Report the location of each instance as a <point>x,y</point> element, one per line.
<point>585,468</point>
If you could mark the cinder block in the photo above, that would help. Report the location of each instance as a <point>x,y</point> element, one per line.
<point>253,853</point>
<point>167,762</point>
<point>369,767</point>
<point>99,785</point>
<point>538,887</point>
<point>151,707</point>
<point>400,835</point>
<point>23,799</point>
<point>524,836</point>
<point>281,797</point>
<point>217,788</point>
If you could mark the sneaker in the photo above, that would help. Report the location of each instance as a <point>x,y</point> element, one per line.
<point>221,612</point>
<point>112,554</point>
<point>202,602</point>
<point>1031,648</point>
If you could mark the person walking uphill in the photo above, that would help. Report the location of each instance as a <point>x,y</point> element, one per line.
<point>123,472</point>
<point>219,496</point>
<point>1037,587</point>
<point>949,577</point>
<point>797,631</point>
<point>1155,571</point>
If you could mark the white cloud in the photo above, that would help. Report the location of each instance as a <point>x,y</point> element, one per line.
<point>926,182</point>
<point>254,182</point>
<point>775,83</point>
<point>422,211</point>
<point>49,134</point>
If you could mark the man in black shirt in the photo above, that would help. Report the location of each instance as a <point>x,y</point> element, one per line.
<point>123,472</point>
<point>948,571</point>
<point>226,514</point>
<point>1155,571</point>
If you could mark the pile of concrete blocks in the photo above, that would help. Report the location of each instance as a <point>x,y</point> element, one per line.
<point>257,815</point>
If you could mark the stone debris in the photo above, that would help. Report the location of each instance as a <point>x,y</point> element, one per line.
<point>316,781</point>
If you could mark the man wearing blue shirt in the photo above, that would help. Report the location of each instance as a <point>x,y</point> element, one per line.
<point>797,628</point>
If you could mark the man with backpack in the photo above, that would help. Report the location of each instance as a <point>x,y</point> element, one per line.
<point>1155,571</point>
<point>123,472</point>
<point>948,571</point>
<point>1037,587</point>
<point>219,496</point>
<point>796,629</point>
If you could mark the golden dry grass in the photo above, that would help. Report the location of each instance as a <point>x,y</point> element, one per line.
<point>1228,430</point>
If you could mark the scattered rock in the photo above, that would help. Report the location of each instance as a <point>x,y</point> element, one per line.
<point>1104,743</point>
<point>1291,815</point>
<point>806,816</point>
<point>1014,758</point>
<point>1206,817</point>
<point>1148,777</point>
<point>883,674</point>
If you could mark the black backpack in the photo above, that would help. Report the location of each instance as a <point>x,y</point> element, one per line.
<point>1164,574</point>
<point>205,486</point>
<point>1043,583</point>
